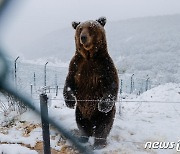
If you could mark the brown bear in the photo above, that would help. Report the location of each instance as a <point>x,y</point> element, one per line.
<point>92,82</point>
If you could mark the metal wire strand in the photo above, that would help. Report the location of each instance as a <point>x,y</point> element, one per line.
<point>125,101</point>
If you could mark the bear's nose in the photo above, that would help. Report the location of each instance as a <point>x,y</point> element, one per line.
<point>83,38</point>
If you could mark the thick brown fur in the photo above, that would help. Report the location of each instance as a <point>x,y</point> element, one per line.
<point>92,78</point>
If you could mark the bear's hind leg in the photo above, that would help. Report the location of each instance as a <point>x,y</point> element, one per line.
<point>85,127</point>
<point>103,126</point>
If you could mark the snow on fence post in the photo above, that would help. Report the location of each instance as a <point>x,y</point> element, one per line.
<point>45,124</point>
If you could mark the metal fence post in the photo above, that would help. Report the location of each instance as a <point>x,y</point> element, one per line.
<point>147,83</point>
<point>45,124</point>
<point>15,71</point>
<point>56,90</point>
<point>132,84</point>
<point>34,79</point>
<point>31,90</point>
<point>55,79</point>
<point>45,76</point>
<point>121,86</point>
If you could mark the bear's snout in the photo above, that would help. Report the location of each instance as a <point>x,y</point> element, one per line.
<point>83,39</point>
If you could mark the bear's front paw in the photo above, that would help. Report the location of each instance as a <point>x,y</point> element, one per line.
<point>105,106</point>
<point>70,104</point>
<point>70,100</point>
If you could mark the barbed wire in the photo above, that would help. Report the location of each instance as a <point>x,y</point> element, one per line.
<point>42,65</point>
<point>123,101</point>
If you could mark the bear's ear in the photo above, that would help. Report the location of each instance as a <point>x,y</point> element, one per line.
<point>75,24</point>
<point>102,21</point>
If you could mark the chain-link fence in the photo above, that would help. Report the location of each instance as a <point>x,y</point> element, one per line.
<point>31,77</point>
<point>131,84</point>
<point>7,87</point>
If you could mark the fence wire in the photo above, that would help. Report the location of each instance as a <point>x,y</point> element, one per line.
<point>123,101</point>
<point>4,85</point>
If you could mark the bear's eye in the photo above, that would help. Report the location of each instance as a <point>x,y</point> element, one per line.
<point>80,28</point>
<point>90,28</point>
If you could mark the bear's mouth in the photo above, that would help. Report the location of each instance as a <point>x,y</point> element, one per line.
<point>87,47</point>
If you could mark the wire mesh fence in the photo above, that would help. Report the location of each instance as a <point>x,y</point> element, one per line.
<point>31,78</point>
<point>39,75</point>
<point>35,79</point>
<point>10,89</point>
<point>29,74</point>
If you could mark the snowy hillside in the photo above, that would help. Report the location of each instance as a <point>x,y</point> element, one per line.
<point>152,117</point>
<point>142,46</point>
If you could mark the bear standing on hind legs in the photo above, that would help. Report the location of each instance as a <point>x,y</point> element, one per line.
<point>92,82</point>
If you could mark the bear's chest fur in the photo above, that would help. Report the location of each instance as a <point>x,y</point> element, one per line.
<point>89,82</point>
<point>88,75</point>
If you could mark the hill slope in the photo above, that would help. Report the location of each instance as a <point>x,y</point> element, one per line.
<point>142,46</point>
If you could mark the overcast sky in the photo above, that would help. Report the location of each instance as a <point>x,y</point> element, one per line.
<point>35,18</point>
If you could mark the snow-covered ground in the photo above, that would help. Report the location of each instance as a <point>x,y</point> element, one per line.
<point>151,117</point>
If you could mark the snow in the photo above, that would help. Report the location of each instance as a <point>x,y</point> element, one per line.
<point>16,137</point>
<point>147,121</point>
<point>15,149</point>
<point>152,116</point>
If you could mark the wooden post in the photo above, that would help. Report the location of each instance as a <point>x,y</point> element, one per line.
<point>45,124</point>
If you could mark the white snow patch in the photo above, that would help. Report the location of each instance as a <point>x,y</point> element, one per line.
<point>15,149</point>
<point>142,119</point>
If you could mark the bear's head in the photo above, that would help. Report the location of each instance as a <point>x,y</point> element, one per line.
<point>90,37</point>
